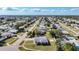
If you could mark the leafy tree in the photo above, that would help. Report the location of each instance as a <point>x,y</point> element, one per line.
<point>55,32</point>
<point>48,24</point>
<point>59,45</point>
<point>69,47</point>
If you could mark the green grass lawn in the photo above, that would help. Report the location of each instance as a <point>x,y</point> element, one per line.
<point>68,47</point>
<point>31,45</point>
<point>22,49</point>
<point>48,35</point>
<point>10,40</point>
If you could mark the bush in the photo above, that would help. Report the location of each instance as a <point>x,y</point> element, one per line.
<point>69,47</point>
<point>55,33</point>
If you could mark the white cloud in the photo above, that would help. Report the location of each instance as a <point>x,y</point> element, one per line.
<point>35,9</point>
<point>4,8</point>
<point>73,9</point>
<point>15,8</point>
<point>10,8</point>
<point>63,11</point>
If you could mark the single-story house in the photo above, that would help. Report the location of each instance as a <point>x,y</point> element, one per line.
<point>41,41</point>
<point>42,30</point>
<point>7,34</point>
<point>2,38</point>
<point>3,27</point>
<point>13,31</point>
<point>56,26</point>
<point>64,31</point>
<point>69,39</point>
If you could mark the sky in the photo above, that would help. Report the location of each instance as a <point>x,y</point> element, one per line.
<point>39,11</point>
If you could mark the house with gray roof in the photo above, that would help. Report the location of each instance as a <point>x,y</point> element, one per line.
<point>41,41</point>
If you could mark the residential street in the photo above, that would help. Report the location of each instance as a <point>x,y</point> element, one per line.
<point>15,45</point>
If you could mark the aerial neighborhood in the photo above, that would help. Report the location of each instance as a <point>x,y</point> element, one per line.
<point>39,33</point>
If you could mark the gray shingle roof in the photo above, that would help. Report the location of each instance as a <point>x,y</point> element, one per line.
<point>41,40</point>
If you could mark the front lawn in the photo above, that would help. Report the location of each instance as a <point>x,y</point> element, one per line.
<point>48,35</point>
<point>10,40</point>
<point>31,45</point>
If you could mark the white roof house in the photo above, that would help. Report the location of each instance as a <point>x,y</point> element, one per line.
<point>2,38</point>
<point>64,31</point>
<point>13,31</point>
<point>42,29</point>
<point>3,27</point>
<point>6,34</point>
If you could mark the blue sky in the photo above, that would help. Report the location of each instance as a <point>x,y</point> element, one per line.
<point>39,11</point>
